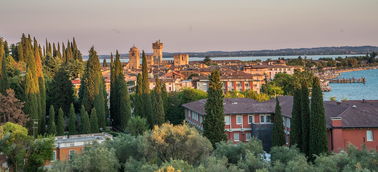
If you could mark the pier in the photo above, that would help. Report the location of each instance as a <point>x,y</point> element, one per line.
<point>348,80</point>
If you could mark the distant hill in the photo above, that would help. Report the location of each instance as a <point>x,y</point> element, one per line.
<point>279,52</point>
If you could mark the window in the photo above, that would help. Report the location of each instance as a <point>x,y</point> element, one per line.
<point>53,158</point>
<point>239,119</point>
<point>71,154</point>
<point>264,119</point>
<point>236,137</point>
<point>247,136</point>
<point>250,119</point>
<point>369,136</point>
<point>227,120</point>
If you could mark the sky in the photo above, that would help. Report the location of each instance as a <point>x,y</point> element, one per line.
<point>193,25</point>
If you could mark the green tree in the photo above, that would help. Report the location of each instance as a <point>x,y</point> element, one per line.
<point>15,141</point>
<point>32,91</point>
<point>178,142</point>
<point>158,104</point>
<point>213,124</point>
<point>94,121</point>
<point>39,152</point>
<point>120,108</point>
<point>207,60</point>
<point>99,105</point>
<point>3,71</point>
<point>60,84</point>
<point>60,123</point>
<point>296,120</point>
<point>318,132</point>
<point>146,96</point>
<point>305,116</point>
<point>278,131</point>
<point>72,121</point>
<point>91,82</point>
<point>85,123</point>
<point>51,129</point>
<point>125,104</point>
<point>138,105</point>
<point>137,126</point>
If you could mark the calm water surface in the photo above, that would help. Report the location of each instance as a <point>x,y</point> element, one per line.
<point>263,58</point>
<point>356,91</point>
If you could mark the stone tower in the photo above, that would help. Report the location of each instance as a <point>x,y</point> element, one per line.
<point>181,59</point>
<point>157,52</point>
<point>134,58</point>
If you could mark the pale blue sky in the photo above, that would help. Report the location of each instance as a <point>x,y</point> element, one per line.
<point>193,25</point>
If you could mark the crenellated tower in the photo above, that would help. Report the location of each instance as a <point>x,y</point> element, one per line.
<point>134,58</point>
<point>157,54</point>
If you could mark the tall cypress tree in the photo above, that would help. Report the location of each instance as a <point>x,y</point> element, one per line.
<point>213,124</point>
<point>158,105</point>
<point>85,122</point>
<point>305,112</point>
<point>115,85</point>
<point>72,120</point>
<point>60,123</point>
<point>32,91</point>
<point>94,121</point>
<point>61,83</point>
<point>6,48</point>
<point>91,81</point>
<point>51,129</point>
<point>3,71</point>
<point>42,87</point>
<point>125,105</point>
<point>296,120</point>
<point>146,97</point>
<point>318,133</point>
<point>138,105</point>
<point>278,132</point>
<point>99,105</point>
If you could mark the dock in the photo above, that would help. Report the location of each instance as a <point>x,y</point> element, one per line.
<point>348,80</point>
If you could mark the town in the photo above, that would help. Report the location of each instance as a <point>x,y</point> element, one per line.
<point>188,86</point>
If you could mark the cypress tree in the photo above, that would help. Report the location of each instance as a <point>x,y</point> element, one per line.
<point>94,121</point>
<point>104,64</point>
<point>125,107</point>
<point>61,83</point>
<point>164,96</point>
<point>213,124</point>
<point>6,48</point>
<point>91,81</point>
<point>138,106</point>
<point>318,133</point>
<point>42,87</point>
<point>146,97</point>
<point>51,125</point>
<point>305,112</point>
<point>32,91</point>
<point>115,85</point>
<point>296,120</point>
<point>86,126</point>
<point>60,123</point>
<point>3,71</point>
<point>72,121</point>
<point>158,105</point>
<point>100,110</point>
<point>278,132</point>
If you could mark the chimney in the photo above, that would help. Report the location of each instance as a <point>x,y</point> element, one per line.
<point>336,122</point>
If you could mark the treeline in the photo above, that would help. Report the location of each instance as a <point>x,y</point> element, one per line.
<point>339,62</point>
<point>183,148</point>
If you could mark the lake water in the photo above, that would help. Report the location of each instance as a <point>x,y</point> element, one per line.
<point>356,91</point>
<point>263,58</point>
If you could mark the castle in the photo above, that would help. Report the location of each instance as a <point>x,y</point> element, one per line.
<point>156,58</point>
